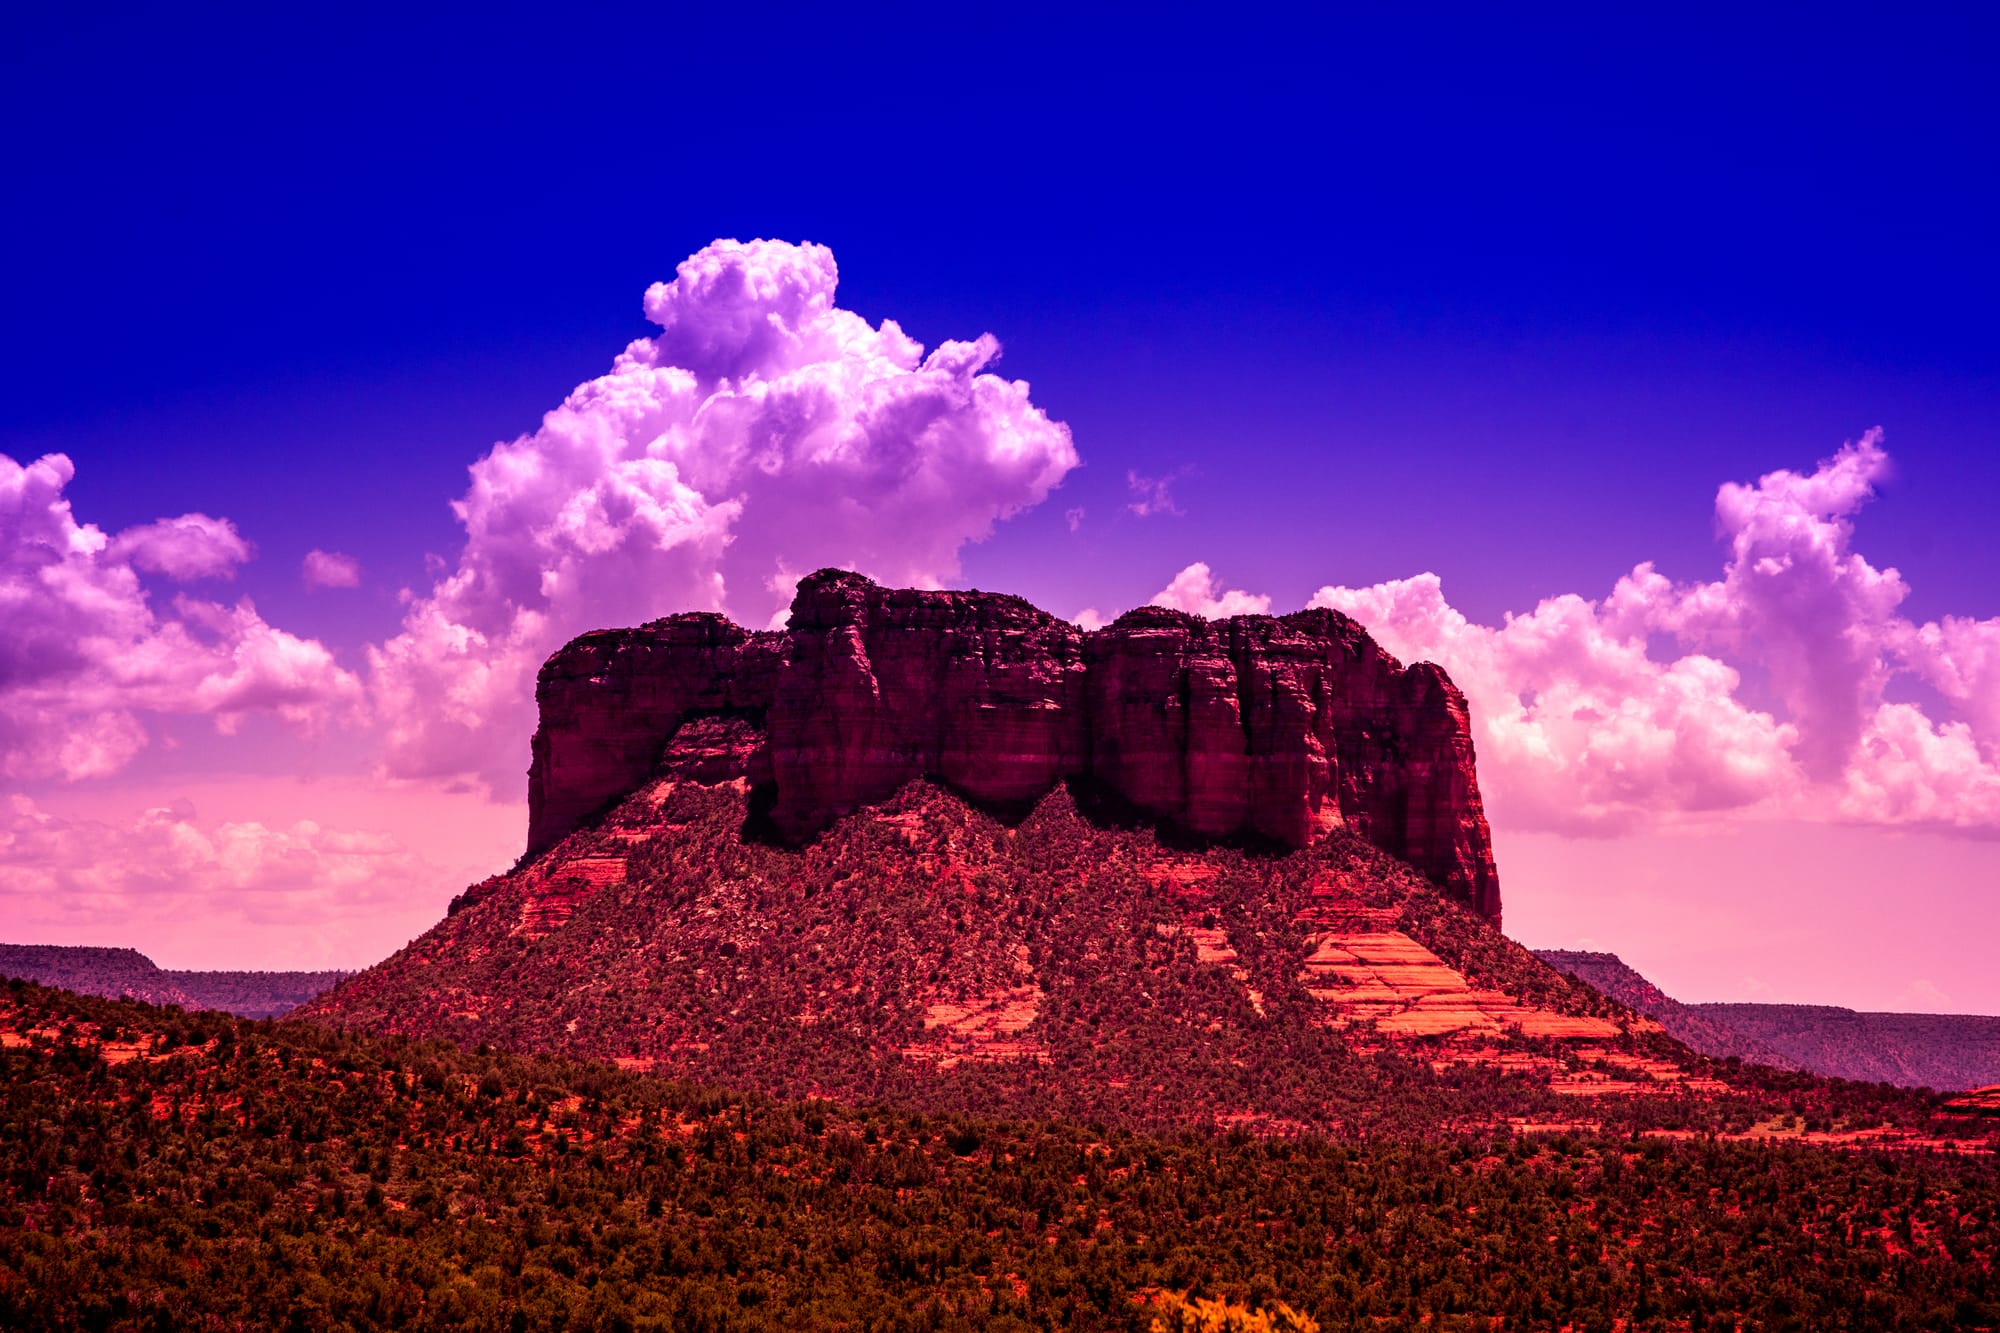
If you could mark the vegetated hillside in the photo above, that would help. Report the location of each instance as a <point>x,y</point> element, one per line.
<point>1609,975</point>
<point>1947,1052</point>
<point>1943,1051</point>
<point>925,954</point>
<point>127,972</point>
<point>165,1171</point>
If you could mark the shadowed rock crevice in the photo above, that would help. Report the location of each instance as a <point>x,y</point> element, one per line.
<point>1252,730</point>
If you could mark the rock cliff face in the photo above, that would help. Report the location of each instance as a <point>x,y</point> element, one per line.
<point>1278,727</point>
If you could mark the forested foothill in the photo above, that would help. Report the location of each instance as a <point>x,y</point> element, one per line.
<point>168,1170</point>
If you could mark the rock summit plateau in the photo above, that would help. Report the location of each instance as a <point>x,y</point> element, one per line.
<point>1274,729</point>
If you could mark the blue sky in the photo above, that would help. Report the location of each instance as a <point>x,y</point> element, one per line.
<point>279,265</point>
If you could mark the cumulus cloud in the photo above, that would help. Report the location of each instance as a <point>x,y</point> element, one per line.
<point>193,546</point>
<point>330,569</point>
<point>762,433</point>
<point>88,652</point>
<point>1583,725</point>
<point>1960,659</point>
<point>1578,726</point>
<point>166,863</point>
<point>1794,598</point>
<point>1196,589</point>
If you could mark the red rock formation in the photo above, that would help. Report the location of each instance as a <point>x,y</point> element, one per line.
<point>1279,727</point>
<point>983,692</point>
<point>610,701</point>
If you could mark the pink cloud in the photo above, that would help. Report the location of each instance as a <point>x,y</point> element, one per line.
<point>330,569</point>
<point>87,652</point>
<point>1196,589</point>
<point>763,433</point>
<point>193,546</point>
<point>1583,727</point>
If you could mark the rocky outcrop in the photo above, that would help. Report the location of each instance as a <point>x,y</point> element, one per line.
<point>1257,726</point>
<point>611,700</point>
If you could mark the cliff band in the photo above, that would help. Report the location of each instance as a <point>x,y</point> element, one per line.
<point>1259,726</point>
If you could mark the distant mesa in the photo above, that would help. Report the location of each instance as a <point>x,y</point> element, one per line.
<point>1255,729</point>
<point>1610,975</point>
<point>127,973</point>
<point>1942,1051</point>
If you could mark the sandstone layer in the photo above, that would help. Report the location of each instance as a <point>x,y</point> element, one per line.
<point>1257,727</point>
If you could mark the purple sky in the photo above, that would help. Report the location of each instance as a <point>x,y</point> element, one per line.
<point>1670,436</point>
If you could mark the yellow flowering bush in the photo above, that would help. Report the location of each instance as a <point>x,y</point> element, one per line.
<point>1178,1314</point>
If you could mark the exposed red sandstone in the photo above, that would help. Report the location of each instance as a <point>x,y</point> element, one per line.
<point>1262,726</point>
<point>610,701</point>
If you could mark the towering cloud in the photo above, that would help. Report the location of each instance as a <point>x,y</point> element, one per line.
<point>763,433</point>
<point>87,652</point>
<point>1583,726</point>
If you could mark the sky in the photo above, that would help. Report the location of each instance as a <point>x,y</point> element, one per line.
<point>1638,369</point>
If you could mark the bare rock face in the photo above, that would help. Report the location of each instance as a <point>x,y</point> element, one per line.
<point>983,692</point>
<point>1258,726</point>
<point>611,700</point>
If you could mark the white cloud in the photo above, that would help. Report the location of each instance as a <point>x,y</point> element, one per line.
<point>1577,726</point>
<point>330,569</point>
<point>193,546</point>
<point>1794,598</point>
<point>87,652</point>
<point>1960,658</point>
<point>763,433</point>
<point>1581,726</point>
<point>1196,589</point>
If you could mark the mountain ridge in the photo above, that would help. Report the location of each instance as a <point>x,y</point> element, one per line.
<point>1948,1052</point>
<point>114,972</point>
